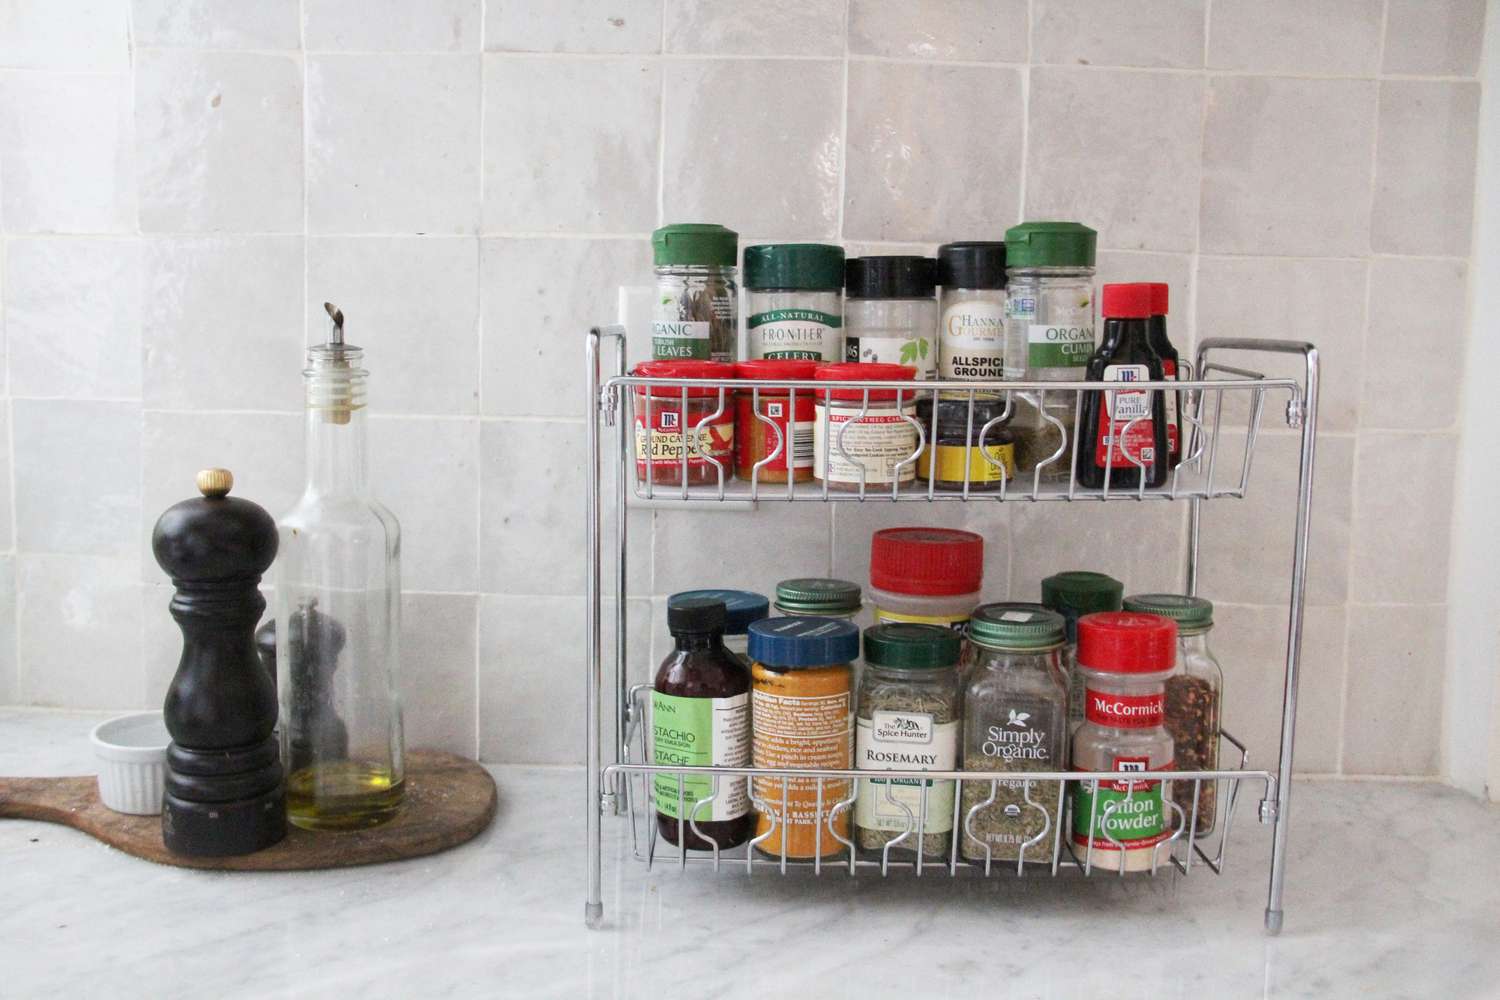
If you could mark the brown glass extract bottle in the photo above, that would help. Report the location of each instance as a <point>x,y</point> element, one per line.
<point>1124,430</point>
<point>700,717</point>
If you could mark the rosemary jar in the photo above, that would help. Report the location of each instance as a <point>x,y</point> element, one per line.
<point>864,436</point>
<point>1195,692</point>
<point>1015,719</point>
<point>971,334</point>
<point>1049,335</point>
<point>741,609</point>
<point>697,301</point>
<point>1124,659</point>
<point>794,295</point>
<point>974,445</point>
<point>907,720</point>
<point>1074,593</point>
<point>819,597</point>
<point>774,422</point>
<point>890,313</point>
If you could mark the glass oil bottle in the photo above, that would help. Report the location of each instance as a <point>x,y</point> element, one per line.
<point>338,606</point>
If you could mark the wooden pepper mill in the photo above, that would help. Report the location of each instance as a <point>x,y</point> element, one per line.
<point>225,791</point>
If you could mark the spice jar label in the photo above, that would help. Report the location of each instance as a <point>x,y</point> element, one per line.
<point>895,346</point>
<point>1119,444</point>
<point>953,458</point>
<point>1169,371</point>
<point>904,741</point>
<point>801,334</point>
<point>680,338</point>
<point>711,441</point>
<point>955,622</point>
<point>700,732</point>
<point>1130,812</point>
<point>1060,345</point>
<point>973,341</point>
<point>802,732</point>
<point>878,442</point>
<point>1124,711</point>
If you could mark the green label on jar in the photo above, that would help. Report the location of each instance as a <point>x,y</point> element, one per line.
<point>680,339</point>
<point>1131,812</point>
<point>799,334</point>
<point>700,732</point>
<point>1058,346</point>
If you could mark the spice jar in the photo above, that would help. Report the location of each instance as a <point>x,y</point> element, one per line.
<point>1015,719</point>
<point>907,720</point>
<point>1195,692</point>
<point>1049,333</point>
<point>955,435</point>
<point>971,334</point>
<point>741,607</point>
<point>794,295</point>
<point>706,411</point>
<point>864,436</point>
<point>700,717</point>
<point>1171,367</point>
<point>697,302</point>
<point>771,422</point>
<point>801,697</point>
<point>890,314</point>
<point>1124,659</point>
<point>928,575</point>
<point>820,597</point>
<point>1073,594</point>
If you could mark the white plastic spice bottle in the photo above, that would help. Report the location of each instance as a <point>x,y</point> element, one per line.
<point>890,314</point>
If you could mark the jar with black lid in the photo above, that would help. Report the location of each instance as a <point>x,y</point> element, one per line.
<point>971,334</point>
<point>890,314</point>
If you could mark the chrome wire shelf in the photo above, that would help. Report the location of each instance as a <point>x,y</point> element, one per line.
<point>1221,420</point>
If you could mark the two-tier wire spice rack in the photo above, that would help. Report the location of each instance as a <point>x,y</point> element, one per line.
<point>1222,413</point>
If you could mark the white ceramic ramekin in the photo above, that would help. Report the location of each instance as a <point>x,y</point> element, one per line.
<point>132,755</point>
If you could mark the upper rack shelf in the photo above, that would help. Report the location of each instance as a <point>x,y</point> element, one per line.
<point>1220,423</point>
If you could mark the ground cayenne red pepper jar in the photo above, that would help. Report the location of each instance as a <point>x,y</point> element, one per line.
<point>756,437</point>
<point>864,435</point>
<point>927,575</point>
<point>707,419</point>
<point>1124,659</point>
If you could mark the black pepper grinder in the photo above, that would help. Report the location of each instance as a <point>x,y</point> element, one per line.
<point>225,791</point>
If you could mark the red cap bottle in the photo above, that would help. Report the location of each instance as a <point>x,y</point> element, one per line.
<point>1158,298</point>
<point>932,562</point>
<point>1126,301</point>
<point>1127,642</point>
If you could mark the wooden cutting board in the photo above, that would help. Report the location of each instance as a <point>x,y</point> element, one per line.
<point>449,800</point>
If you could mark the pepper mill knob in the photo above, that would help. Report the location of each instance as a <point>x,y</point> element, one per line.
<point>225,791</point>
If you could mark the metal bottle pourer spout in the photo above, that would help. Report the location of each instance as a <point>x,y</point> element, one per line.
<point>342,402</point>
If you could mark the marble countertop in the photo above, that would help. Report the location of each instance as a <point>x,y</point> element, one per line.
<point>1393,891</point>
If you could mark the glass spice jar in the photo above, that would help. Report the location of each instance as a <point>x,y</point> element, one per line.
<point>794,293</point>
<point>703,415</point>
<point>801,698</point>
<point>890,313</point>
<point>1049,334</point>
<point>697,301</point>
<point>1195,692</point>
<point>955,437</point>
<point>1124,659</point>
<point>864,436</point>
<point>971,335</point>
<point>741,608</point>
<point>1074,593</point>
<point>1015,719</point>
<point>819,597</point>
<point>772,422</point>
<point>907,720</point>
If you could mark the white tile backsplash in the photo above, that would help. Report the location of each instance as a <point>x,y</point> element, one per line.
<point>183,183</point>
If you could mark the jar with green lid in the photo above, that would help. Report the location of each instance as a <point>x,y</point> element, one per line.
<point>1049,334</point>
<point>819,597</point>
<point>1014,719</point>
<point>1195,694</point>
<point>794,293</point>
<point>1074,593</point>
<point>907,720</point>
<point>697,301</point>
<point>741,608</point>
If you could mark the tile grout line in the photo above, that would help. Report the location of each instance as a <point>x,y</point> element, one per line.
<point>143,673</point>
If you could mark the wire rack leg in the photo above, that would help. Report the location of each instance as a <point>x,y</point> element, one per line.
<point>593,908</point>
<point>1274,912</point>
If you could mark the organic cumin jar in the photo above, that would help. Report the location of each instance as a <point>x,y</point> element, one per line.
<point>772,422</point>
<point>673,421</point>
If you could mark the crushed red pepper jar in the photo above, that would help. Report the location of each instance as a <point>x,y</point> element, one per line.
<point>766,418</point>
<point>700,415</point>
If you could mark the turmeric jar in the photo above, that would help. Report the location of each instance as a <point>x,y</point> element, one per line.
<point>801,695</point>
<point>770,424</point>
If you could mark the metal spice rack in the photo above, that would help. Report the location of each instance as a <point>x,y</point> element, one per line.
<point>620,780</point>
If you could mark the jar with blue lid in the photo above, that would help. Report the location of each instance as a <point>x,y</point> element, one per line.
<point>741,607</point>
<point>801,700</point>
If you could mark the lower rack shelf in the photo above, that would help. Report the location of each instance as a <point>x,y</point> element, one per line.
<point>635,789</point>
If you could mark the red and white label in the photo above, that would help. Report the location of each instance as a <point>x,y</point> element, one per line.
<point>1123,711</point>
<point>708,445</point>
<point>1116,446</point>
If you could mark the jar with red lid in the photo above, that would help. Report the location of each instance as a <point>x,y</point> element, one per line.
<point>768,419</point>
<point>1124,659</point>
<point>864,436</point>
<point>700,415</point>
<point>928,575</point>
